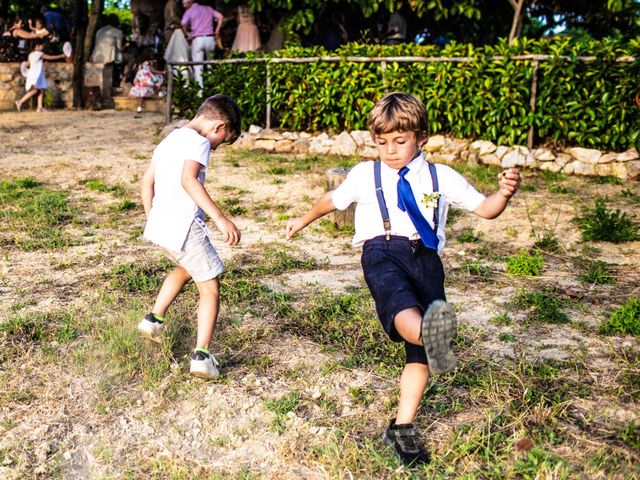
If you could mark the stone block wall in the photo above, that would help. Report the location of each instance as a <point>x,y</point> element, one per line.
<point>59,79</point>
<point>441,149</point>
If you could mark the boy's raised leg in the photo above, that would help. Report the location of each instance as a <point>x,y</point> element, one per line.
<point>152,325</point>
<point>203,364</point>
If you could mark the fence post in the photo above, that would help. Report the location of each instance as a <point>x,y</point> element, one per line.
<point>167,110</point>
<point>383,67</point>
<point>268,119</point>
<point>532,102</point>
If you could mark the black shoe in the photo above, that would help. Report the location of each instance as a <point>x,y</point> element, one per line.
<point>403,438</point>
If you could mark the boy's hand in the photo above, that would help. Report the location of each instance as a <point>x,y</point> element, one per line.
<point>294,226</point>
<point>230,233</point>
<point>509,181</point>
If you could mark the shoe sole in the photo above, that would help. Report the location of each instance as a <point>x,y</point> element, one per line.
<point>149,335</point>
<point>438,327</point>
<point>204,375</point>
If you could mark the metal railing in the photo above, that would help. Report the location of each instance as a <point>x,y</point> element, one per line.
<point>535,59</point>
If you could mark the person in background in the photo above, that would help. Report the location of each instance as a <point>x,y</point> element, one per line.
<point>148,79</point>
<point>38,28</point>
<point>56,22</point>
<point>172,18</point>
<point>247,37</point>
<point>16,30</point>
<point>36,82</point>
<point>108,46</point>
<point>197,24</point>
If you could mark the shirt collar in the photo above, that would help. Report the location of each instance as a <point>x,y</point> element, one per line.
<point>417,163</point>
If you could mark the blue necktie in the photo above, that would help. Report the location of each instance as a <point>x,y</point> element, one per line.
<point>407,203</point>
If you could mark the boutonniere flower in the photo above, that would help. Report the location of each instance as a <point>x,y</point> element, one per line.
<point>431,199</point>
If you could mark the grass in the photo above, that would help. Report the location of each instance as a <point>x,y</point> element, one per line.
<point>281,407</point>
<point>135,277</point>
<point>595,272</point>
<point>468,235</point>
<point>471,419</point>
<point>34,215</point>
<point>525,264</point>
<point>548,242</point>
<point>601,223</point>
<point>117,189</point>
<point>624,320</point>
<point>279,166</point>
<point>543,306</point>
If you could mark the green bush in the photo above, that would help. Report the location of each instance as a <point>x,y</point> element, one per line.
<point>582,103</point>
<point>525,264</point>
<point>625,320</point>
<point>603,224</point>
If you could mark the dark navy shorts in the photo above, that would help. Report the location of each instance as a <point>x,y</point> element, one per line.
<point>401,274</point>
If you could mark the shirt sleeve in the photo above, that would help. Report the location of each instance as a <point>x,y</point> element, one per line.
<point>349,190</point>
<point>186,18</point>
<point>199,153</point>
<point>457,190</point>
<point>216,14</point>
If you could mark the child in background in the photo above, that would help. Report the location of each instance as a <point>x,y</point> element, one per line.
<point>400,215</point>
<point>36,83</point>
<point>38,29</point>
<point>175,202</point>
<point>147,81</point>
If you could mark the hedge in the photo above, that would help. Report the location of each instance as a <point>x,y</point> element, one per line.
<point>590,104</point>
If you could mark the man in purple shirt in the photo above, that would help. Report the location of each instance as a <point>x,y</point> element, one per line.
<point>197,24</point>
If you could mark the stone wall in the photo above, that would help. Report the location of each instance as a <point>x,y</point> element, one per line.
<point>59,79</point>
<point>441,149</point>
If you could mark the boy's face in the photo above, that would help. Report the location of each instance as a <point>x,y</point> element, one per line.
<point>217,133</point>
<point>397,149</point>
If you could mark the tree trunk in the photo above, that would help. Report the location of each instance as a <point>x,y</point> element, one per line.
<point>80,29</point>
<point>97,6</point>
<point>516,24</point>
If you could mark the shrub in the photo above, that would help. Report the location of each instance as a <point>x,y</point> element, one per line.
<point>625,320</point>
<point>585,103</point>
<point>603,224</point>
<point>525,264</point>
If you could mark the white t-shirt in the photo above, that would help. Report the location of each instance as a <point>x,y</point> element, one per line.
<point>359,186</point>
<point>173,210</point>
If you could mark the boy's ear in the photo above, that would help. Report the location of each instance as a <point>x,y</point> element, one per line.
<point>421,138</point>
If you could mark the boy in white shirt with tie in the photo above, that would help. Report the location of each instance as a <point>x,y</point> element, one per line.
<point>175,202</point>
<point>401,210</point>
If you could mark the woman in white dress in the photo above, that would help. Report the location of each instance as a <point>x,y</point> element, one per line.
<point>36,83</point>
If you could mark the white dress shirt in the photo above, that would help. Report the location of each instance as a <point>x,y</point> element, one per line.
<point>359,186</point>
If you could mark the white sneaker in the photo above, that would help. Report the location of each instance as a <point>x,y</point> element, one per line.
<point>204,365</point>
<point>139,109</point>
<point>151,328</point>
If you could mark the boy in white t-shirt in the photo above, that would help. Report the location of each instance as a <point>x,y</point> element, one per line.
<point>401,210</point>
<point>175,202</point>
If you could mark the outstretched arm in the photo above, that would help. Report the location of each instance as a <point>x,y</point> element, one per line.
<point>53,57</point>
<point>494,205</point>
<point>199,194</point>
<point>323,206</point>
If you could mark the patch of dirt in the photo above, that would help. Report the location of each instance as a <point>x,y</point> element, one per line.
<point>50,422</point>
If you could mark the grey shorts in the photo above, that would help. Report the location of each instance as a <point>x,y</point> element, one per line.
<point>198,257</point>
